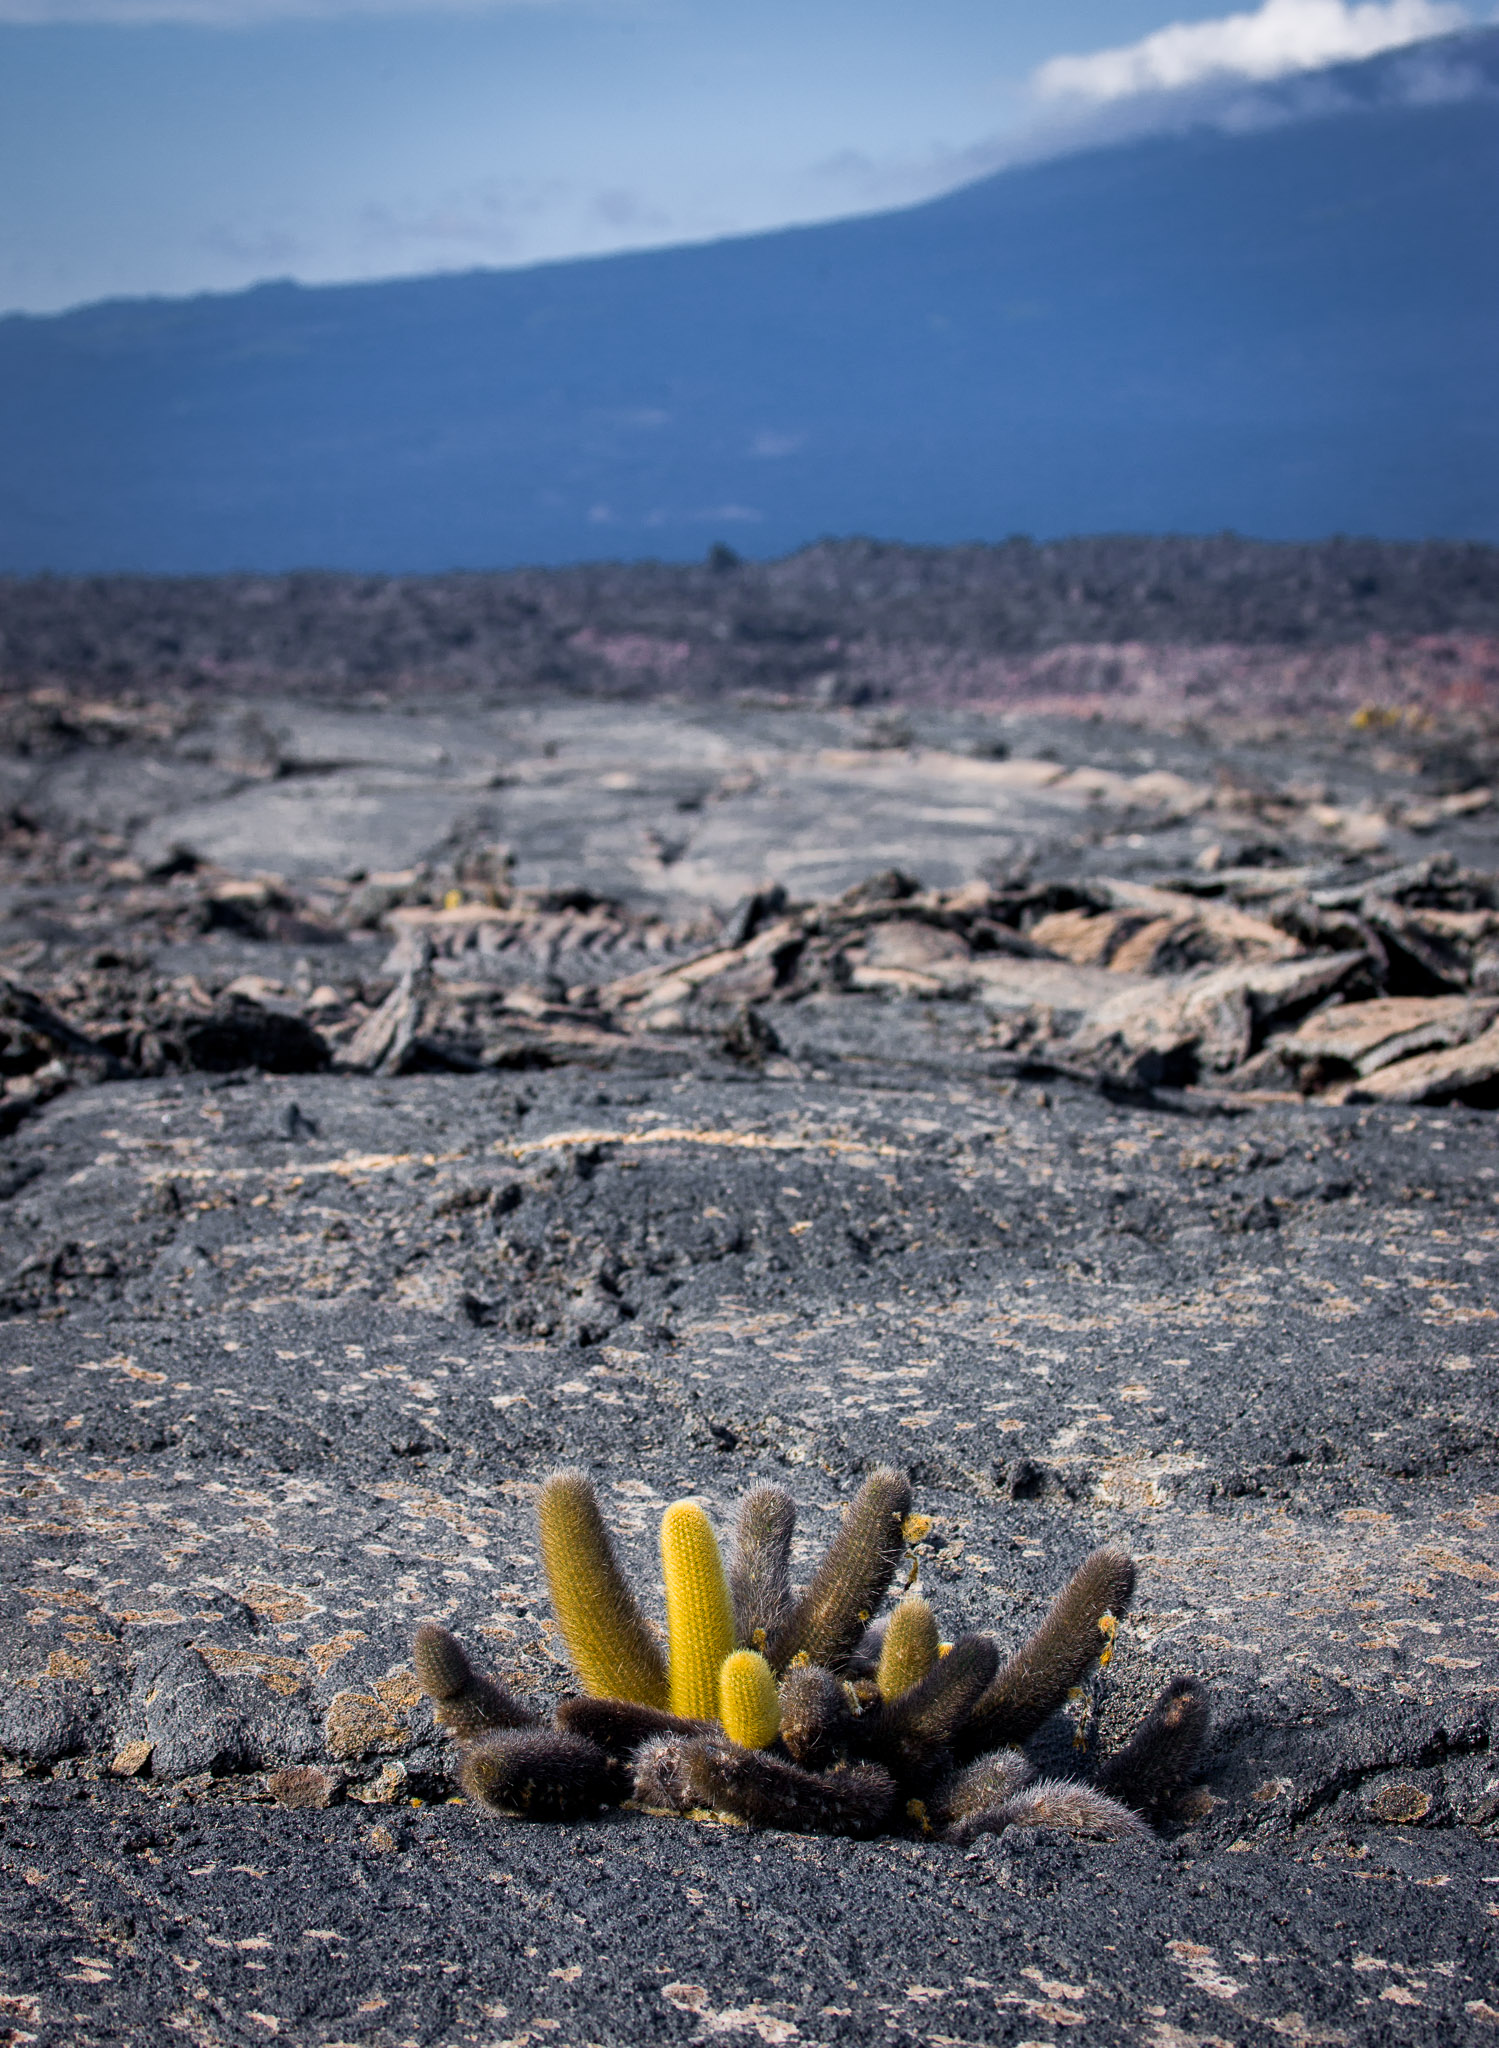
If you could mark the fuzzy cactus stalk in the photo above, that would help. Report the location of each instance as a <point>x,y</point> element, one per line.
<point>748,1703</point>
<point>815,1714</point>
<point>847,1587</point>
<point>760,1569</point>
<point>989,1783</point>
<point>613,1648</point>
<point>909,1648</point>
<point>699,1612</point>
<point>1077,1631</point>
<point>619,1727</point>
<point>541,1774</point>
<point>911,1735</point>
<point>1055,1803</point>
<point>1164,1751</point>
<point>463,1701</point>
<point>769,1793</point>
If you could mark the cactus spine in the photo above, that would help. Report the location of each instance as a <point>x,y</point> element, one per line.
<point>749,1705</point>
<point>613,1649</point>
<point>699,1612</point>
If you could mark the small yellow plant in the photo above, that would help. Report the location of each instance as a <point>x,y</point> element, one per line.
<point>613,1648</point>
<point>699,1612</point>
<point>749,1705</point>
<point>910,1648</point>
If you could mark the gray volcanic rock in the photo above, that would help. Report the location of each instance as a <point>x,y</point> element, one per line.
<point>1131,625</point>
<point>225,1520</point>
<point>287,1354</point>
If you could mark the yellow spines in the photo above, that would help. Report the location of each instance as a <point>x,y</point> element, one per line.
<point>910,1648</point>
<point>699,1612</point>
<point>749,1705</point>
<point>612,1647</point>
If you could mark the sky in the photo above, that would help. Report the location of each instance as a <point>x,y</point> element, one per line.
<point>171,147</point>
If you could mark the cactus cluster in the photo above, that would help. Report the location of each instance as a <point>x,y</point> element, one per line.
<point>801,1711</point>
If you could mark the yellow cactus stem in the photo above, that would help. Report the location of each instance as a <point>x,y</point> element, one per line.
<point>613,1649</point>
<point>699,1611</point>
<point>1108,1628</point>
<point>749,1705</point>
<point>910,1647</point>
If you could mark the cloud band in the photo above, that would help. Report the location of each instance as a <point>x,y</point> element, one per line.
<point>1281,36</point>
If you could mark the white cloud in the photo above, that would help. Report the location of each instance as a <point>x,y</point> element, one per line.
<point>1436,68</point>
<point>1282,36</point>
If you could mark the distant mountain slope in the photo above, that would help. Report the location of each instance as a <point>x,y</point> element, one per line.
<point>1291,331</point>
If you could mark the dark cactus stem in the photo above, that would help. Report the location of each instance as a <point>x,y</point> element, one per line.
<point>662,1778</point>
<point>541,1774</point>
<point>1055,1803</point>
<point>760,1570</point>
<point>912,1735</point>
<point>464,1702</point>
<point>619,1727</point>
<point>991,1782</point>
<point>833,1612</point>
<point>1163,1753</point>
<point>816,1718</point>
<point>768,1793</point>
<point>1038,1678</point>
<point>937,1708</point>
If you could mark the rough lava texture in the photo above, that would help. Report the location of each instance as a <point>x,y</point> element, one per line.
<point>287,1354</point>
<point>1210,622</point>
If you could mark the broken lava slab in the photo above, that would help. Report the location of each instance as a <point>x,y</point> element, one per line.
<point>1212,1017</point>
<point>1435,1076</point>
<point>1368,1036</point>
<point>1070,993</point>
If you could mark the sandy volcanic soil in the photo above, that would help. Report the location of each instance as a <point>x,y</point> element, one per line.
<point>288,1353</point>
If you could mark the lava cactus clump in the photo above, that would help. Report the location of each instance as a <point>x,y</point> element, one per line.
<point>797,1709</point>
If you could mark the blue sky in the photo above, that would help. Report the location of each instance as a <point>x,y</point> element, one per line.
<point>175,146</point>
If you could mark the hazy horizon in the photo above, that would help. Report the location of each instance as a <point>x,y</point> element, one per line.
<point>173,147</point>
